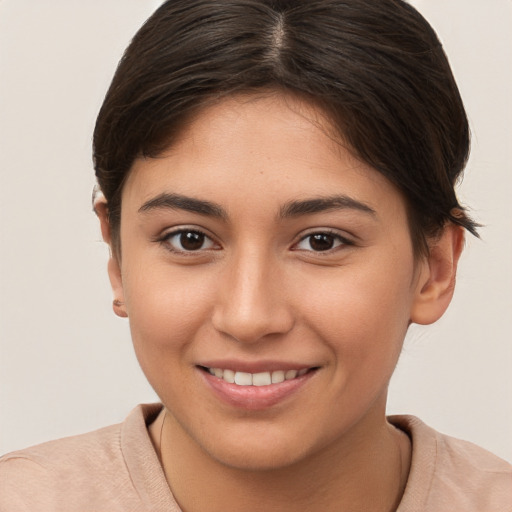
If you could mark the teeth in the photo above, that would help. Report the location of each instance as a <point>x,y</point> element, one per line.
<point>256,379</point>
<point>277,377</point>
<point>229,376</point>
<point>290,374</point>
<point>261,379</point>
<point>243,379</point>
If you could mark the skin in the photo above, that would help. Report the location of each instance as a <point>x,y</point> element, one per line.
<point>257,290</point>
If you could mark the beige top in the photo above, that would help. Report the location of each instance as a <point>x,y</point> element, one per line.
<point>116,469</point>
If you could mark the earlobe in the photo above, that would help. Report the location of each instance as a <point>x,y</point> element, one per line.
<point>114,267</point>
<point>436,282</point>
<point>116,283</point>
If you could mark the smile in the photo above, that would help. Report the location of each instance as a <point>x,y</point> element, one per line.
<point>256,390</point>
<point>256,379</point>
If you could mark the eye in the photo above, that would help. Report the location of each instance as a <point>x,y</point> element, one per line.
<point>321,242</point>
<point>188,240</point>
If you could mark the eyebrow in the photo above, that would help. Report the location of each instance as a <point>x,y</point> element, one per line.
<point>179,202</point>
<point>323,204</point>
<point>290,209</point>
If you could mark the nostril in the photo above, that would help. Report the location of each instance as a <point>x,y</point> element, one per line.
<point>249,326</point>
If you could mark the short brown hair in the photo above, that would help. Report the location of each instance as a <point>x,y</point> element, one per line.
<point>376,68</point>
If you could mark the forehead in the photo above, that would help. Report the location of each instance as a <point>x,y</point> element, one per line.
<point>262,150</point>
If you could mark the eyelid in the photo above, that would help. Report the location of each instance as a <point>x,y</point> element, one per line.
<point>345,241</point>
<point>166,236</point>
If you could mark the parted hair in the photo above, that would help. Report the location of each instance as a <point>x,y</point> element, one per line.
<point>375,67</point>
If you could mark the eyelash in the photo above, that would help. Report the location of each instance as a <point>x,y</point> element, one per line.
<point>342,241</point>
<point>166,240</point>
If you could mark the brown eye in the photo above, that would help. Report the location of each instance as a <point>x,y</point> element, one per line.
<point>319,242</point>
<point>189,241</point>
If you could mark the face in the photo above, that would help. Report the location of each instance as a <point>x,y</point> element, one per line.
<point>269,280</point>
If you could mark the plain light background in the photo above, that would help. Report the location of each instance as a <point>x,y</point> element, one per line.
<point>66,362</point>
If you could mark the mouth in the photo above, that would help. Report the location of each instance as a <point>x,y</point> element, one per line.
<point>256,379</point>
<point>255,385</point>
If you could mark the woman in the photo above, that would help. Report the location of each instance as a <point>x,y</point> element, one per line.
<point>277,191</point>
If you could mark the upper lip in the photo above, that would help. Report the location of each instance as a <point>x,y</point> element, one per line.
<point>254,366</point>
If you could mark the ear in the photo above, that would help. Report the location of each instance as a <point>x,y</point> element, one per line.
<point>114,264</point>
<point>436,282</point>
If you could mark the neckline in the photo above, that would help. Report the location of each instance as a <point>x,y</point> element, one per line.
<point>148,478</point>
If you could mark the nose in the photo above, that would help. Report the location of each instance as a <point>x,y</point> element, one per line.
<point>252,303</point>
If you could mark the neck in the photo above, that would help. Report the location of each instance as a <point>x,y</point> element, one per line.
<point>366,471</point>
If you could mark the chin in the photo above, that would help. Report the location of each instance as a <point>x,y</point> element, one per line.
<point>259,449</point>
<point>256,459</point>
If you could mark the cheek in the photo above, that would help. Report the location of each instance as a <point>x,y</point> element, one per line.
<point>166,308</point>
<point>363,314</point>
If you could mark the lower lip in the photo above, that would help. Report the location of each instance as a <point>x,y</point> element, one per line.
<point>254,398</point>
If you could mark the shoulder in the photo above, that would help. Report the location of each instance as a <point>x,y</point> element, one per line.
<point>66,469</point>
<point>88,449</point>
<point>76,472</point>
<point>448,472</point>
